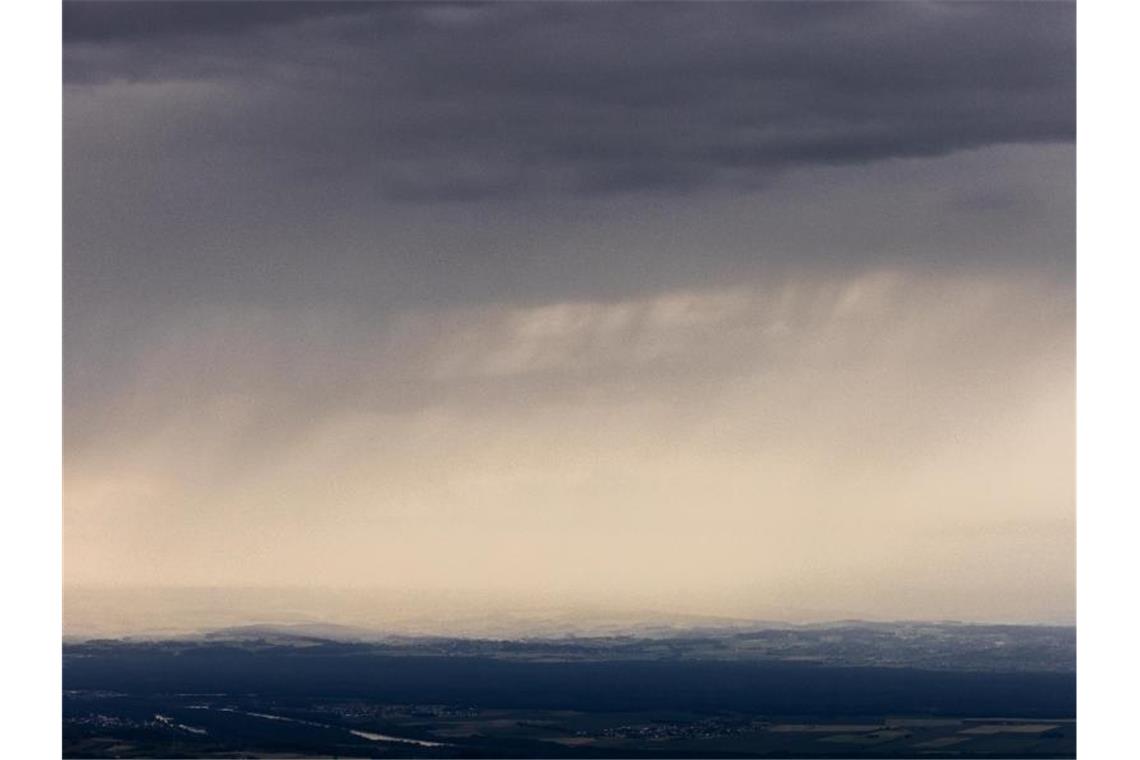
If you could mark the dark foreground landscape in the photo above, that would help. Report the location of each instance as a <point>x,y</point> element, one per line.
<point>852,690</point>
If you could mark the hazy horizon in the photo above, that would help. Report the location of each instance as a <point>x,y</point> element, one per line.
<point>170,612</point>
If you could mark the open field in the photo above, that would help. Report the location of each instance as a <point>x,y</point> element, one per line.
<point>256,699</point>
<point>191,725</point>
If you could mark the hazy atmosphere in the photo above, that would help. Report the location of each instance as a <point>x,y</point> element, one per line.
<point>738,310</point>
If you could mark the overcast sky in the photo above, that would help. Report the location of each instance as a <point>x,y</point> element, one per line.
<point>735,308</point>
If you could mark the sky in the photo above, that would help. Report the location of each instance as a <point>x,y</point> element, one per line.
<point>730,309</point>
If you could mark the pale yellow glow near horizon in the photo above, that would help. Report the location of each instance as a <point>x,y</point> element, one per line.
<point>885,445</point>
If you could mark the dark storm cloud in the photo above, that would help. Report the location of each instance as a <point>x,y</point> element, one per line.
<point>127,20</point>
<point>377,157</point>
<point>423,102</point>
